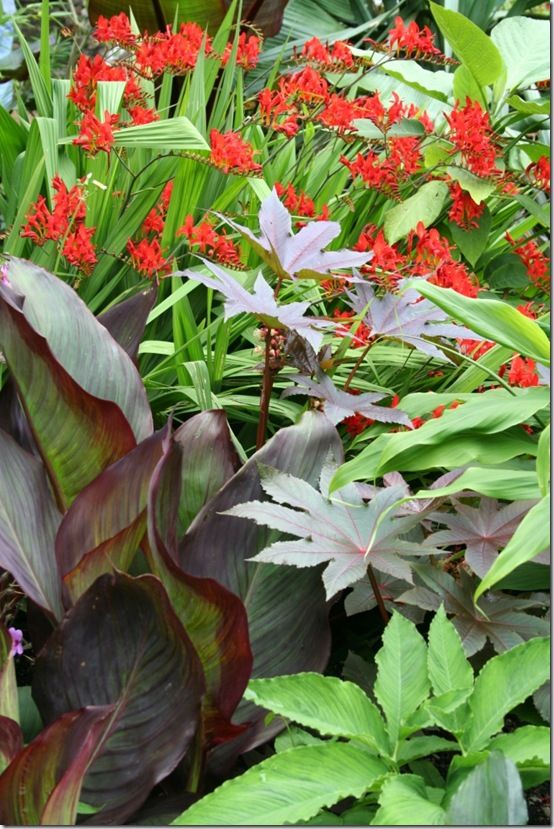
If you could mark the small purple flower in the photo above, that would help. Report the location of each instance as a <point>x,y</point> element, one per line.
<point>4,274</point>
<point>17,641</point>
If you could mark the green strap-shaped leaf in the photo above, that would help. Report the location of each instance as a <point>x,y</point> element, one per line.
<point>504,682</point>
<point>287,788</point>
<point>491,795</point>
<point>42,784</point>
<point>448,666</point>
<point>495,320</point>
<point>402,680</point>
<point>425,206</point>
<point>530,538</point>
<point>509,485</point>
<point>470,43</point>
<point>325,703</point>
<point>28,523</point>
<point>404,802</point>
<point>543,461</point>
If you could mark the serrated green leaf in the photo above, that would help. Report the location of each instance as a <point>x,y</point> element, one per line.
<point>402,681</point>
<point>287,787</point>
<point>448,666</point>
<point>529,748</point>
<point>332,706</point>
<point>505,681</point>
<point>404,802</point>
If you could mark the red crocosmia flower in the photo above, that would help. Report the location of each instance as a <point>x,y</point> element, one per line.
<point>539,173</point>
<point>522,372</point>
<point>79,250</point>
<point>151,56</point>
<point>215,245</point>
<point>343,329</point>
<point>308,85</point>
<point>133,94</point>
<point>299,203</point>
<point>272,107</point>
<point>387,261</point>
<point>339,113</point>
<point>527,310</point>
<point>232,154</point>
<point>471,133</point>
<point>356,424</point>
<point>339,54</point>
<point>142,115</point>
<point>411,40</point>
<point>116,29</point>
<point>248,51</point>
<point>475,348</point>
<point>454,275</point>
<point>417,422</point>
<point>146,257</point>
<point>40,224</point>
<point>464,211</point>
<point>86,75</point>
<point>155,220</point>
<point>429,251</point>
<point>537,264</point>
<point>96,136</point>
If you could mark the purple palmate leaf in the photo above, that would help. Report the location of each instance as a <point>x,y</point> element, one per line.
<point>344,530</point>
<point>482,530</point>
<point>299,254</point>
<point>338,404</point>
<point>262,303</point>
<point>405,317</point>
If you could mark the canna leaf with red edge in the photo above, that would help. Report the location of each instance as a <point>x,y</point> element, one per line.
<point>126,321</point>
<point>79,342</point>
<point>106,523</point>
<point>287,612</point>
<point>214,618</point>
<point>12,417</point>
<point>29,520</point>
<point>11,741</point>
<point>77,434</point>
<point>42,784</point>
<point>123,645</point>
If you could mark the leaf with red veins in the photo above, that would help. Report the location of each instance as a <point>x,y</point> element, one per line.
<point>297,255</point>
<point>344,531</point>
<point>402,317</point>
<point>262,303</point>
<point>338,404</point>
<point>482,530</point>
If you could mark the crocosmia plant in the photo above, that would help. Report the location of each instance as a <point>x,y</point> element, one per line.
<point>274,414</point>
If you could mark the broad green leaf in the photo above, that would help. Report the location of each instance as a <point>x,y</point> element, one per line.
<point>171,133</point>
<point>464,86</point>
<point>471,45</point>
<point>491,318</point>
<point>425,206</point>
<point>524,45</point>
<point>29,520</point>
<point>42,785</point>
<point>402,680</point>
<point>478,188</point>
<point>530,538</point>
<point>536,107</point>
<point>529,748</point>
<point>448,666</point>
<point>490,795</point>
<point>423,746</point>
<point>325,703</point>
<point>473,242</point>
<point>404,801</point>
<point>505,681</point>
<point>507,484</point>
<point>543,461</point>
<point>122,645</point>
<point>287,787</point>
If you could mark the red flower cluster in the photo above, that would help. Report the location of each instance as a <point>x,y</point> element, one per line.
<point>362,335</point>
<point>464,211</point>
<point>96,135</point>
<point>475,348</point>
<point>337,56</point>
<point>357,423</point>
<point>115,30</point>
<point>299,203</point>
<point>472,135</point>
<point>64,225</point>
<point>539,173</point>
<point>387,261</point>
<point>411,40</point>
<point>215,245</point>
<point>431,252</point>
<point>248,51</point>
<point>418,422</point>
<point>155,221</point>
<point>146,257</point>
<point>537,264</point>
<point>522,372</point>
<point>230,153</point>
<point>386,171</point>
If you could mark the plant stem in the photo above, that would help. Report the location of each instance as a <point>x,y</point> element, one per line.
<point>266,394</point>
<point>356,366</point>
<point>377,592</point>
<point>197,763</point>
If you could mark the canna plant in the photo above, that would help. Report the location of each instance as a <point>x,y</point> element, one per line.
<point>376,749</point>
